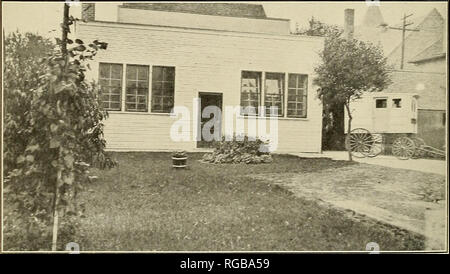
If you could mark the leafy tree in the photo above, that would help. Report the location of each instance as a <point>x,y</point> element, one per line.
<point>349,68</point>
<point>21,75</point>
<point>317,28</point>
<point>62,136</point>
<point>333,111</point>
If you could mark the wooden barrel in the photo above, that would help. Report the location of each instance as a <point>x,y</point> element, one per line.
<point>179,162</point>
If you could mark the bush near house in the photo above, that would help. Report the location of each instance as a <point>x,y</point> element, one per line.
<point>239,150</point>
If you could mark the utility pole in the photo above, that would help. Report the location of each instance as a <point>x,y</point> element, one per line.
<point>404,30</point>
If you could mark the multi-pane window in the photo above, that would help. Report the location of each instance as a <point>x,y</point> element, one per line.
<point>297,95</point>
<point>137,88</point>
<point>274,93</point>
<point>110,80</point>
<point>163,89</point>
<point>250,92</point>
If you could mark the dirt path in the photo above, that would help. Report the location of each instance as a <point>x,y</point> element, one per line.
<point>407,199</point>
<point>423,165</point>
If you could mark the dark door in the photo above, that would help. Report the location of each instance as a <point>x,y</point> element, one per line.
<point>210,99</point>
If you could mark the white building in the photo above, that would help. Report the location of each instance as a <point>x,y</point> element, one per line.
<point>165,55</point>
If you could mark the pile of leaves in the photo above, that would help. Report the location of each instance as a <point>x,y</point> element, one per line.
<point>240,149</point>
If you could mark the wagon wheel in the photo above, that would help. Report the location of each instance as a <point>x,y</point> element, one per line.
<point>419,144</point>
<point>359,142</point>
<point>403,148</point>
<point>377,145</point>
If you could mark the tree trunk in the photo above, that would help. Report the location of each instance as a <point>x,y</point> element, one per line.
<point>349,129</point>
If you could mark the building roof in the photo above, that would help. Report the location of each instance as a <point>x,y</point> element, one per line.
<point>431,87</point>
<point>373,17</point>
<point>375,30</point>
<point>218,9</point>
<point>435,51</point>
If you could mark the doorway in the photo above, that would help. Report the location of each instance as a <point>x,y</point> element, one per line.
<point>210,99</point>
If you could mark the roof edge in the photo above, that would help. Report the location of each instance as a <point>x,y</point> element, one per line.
<point>215,31</point>
<point>421,60</point>
<point>229,16</point>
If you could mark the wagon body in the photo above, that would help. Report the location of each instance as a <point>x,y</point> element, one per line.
<point>380,112</point>
<point>386,123</point>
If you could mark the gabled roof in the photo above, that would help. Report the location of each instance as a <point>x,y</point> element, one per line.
<point>218,9</point>
<point>436,50</point>
<point>373,31</point>
<point>426,25</point>
<point>431,87</point>
<point>373,17</point>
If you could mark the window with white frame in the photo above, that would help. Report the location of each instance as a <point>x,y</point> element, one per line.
<point>110,80</point>
<point>297,95</point>
<point>137,88</point>
<point>250,92</point>
<point>163,89</point>
<point>274,93</point>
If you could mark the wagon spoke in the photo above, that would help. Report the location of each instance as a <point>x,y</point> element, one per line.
<point>403,148</point>
<point>359,141</point>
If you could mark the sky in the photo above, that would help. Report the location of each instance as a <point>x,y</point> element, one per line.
<point>45,17</point>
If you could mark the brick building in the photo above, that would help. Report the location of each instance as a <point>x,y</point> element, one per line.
<point>424,68</point>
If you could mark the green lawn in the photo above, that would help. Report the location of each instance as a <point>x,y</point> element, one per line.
<point>143,204</point>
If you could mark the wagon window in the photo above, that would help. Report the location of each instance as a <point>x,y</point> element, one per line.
<point>110,80</point>
<point>396,103</point>
<point>250,92</point>
<point>163,89</point>
<point>137,88</point>
<point>381,103</point>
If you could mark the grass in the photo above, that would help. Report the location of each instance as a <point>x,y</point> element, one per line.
<point>143,204</point>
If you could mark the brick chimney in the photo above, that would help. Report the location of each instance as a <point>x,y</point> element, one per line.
<point>349,23</point>
<point>88,11</point>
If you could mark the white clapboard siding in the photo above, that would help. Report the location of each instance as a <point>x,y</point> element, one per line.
<point>204,61</point>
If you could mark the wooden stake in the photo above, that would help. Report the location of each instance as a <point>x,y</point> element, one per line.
<point>55,212</point>
<point>65,31</point>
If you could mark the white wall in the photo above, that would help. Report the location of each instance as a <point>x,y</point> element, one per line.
<point>179,19</point>
<point>205,61</point>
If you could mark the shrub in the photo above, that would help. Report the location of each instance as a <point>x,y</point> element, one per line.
<point>179,154</point>
<point>51,144</point>
<point>239,150</point>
